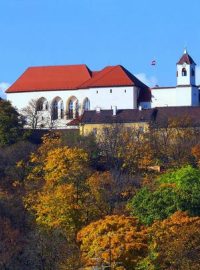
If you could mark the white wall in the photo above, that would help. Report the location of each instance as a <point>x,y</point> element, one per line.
<point>162,97</point>
<point>122,97</point>
<point>179,96</point>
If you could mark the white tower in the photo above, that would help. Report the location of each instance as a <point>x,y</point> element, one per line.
<point>186,70</point>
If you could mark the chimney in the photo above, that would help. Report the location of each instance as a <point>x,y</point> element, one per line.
<point>114,110</point>
<point>98,109</point>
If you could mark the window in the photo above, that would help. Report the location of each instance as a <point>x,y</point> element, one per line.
<point>97,91</point>
<point>42,104</point>
<point>176,73</point>
<point>110,90</point>
<point>184,72</point>
<point>86,105</point>
<point>70,112</point>
<point>55,110</point>
<point>125,91</point>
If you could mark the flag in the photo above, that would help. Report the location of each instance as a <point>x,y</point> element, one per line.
<point>153,62</point>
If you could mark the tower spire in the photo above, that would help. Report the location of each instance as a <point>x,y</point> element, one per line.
<point>185,51</point>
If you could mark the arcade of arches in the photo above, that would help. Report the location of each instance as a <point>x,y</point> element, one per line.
<point>57,110</point>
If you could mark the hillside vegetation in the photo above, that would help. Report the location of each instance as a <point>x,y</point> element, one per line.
<point>75,202</point>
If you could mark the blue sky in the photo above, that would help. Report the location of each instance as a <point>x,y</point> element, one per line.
<point>98,33</point>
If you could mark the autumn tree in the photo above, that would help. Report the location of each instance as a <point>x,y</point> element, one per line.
<point>56,185</point>
<point>172,141</point>
<point>109,192</point>
<point>111,143</point>
<point>125,149</point>
<point>175,243</point>
<point>113,240</point>
<point>137,153</point>
<point>196,154</point>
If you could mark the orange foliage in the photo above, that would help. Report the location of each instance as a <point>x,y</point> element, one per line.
<point>137,154</point>
<point>112,240</point>
<point>196,153</point>
<point>176,242</point>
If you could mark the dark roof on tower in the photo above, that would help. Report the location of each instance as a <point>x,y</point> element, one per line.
<point>186,58</point>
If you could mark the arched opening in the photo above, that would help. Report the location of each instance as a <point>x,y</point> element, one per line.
<point>72,108</point>
<point>184,72</point>
<point>42,104</point>
<point>86,104</point>
<point>57,109</point>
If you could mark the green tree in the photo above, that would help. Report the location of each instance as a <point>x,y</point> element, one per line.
<point>150,205</point>
<point>177,190</point>
<point>187,184</point>
<point>10,124</point>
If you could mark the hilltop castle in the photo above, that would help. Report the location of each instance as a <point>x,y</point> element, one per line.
<point>65,92</point>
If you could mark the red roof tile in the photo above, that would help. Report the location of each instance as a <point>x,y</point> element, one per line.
<point>51,78</point>
<point>112,76</point>
<point>76,77</point>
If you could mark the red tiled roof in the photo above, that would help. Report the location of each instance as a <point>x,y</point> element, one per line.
<point>76,77</point>
<point>186,58</point>
<point>51,78</point>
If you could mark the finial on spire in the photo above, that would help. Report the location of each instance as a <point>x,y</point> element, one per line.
<point>185,51</point>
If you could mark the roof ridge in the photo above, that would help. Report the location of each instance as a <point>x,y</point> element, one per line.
<point>129,75</point>
<point>97,79</point>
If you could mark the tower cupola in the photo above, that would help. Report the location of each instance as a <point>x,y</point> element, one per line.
<point>186,70</point>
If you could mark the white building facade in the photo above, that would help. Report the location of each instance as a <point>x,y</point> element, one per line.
<point>63,93</point>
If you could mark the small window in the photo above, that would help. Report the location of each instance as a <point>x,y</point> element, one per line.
<point>110,90</point>
<point>176,73</point>
<point>97,92</point>
<point>184,72</point>
<point>125,91</point>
